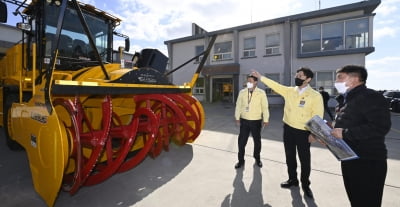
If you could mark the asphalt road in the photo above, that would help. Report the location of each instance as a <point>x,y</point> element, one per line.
<point>202,173</point>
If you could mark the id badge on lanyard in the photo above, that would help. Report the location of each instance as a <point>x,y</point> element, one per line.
<point>302,103</point>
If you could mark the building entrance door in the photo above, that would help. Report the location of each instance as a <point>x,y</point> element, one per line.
<point>222,90</point>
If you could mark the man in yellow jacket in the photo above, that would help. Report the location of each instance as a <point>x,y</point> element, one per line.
<point>301,104</point>
<point>251,113</point>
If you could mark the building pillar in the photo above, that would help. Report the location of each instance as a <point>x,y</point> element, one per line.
<point>207,85</point>
<point>235,48</point>
<point>236,87</point>
<point>287,53</point>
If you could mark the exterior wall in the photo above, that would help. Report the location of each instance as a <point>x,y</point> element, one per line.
<point>183,52</point>
<point>289,58</point>
<point>127,57</point>
<point>9,36</point>
<point>328,63</point>
<point>201,97</point>
<point>262,63</point>
<point>324,63</point>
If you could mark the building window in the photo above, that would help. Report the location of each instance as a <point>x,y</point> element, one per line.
<point>357,33</point>
<point>311,38</point>
<point>249,47</point>
<point>332,36</point>
<point>325,79</point>
<point>223,51</point>
<point>272,76</point>
<point>272,43</point>
<point>199,87</point>
<point>340,35</point>
<point>199,49</point>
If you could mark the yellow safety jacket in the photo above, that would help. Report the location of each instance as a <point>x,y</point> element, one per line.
<point>299,108</point>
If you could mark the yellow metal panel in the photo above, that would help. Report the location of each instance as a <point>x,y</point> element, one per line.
<point>87,83</point>
<point>46,144</point>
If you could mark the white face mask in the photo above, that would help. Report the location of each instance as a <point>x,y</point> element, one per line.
<point>249,85</point>
<point>341,87</point>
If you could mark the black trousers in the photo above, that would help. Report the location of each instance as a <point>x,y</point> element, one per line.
<point>364,181</point>
<point>296,139</point>
<point>247,127</point>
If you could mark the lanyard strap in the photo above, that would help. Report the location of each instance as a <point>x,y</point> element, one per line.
<point>249,96</point>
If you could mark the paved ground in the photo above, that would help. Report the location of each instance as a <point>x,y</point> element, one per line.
<point>202,174</point>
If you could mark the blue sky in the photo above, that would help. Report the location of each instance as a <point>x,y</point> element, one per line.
<point>150,23</point>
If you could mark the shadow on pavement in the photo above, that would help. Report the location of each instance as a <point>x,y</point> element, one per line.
<point>240,196</point>
<point>128,188</point>
<point>124,189</point>
<point>221,117</point>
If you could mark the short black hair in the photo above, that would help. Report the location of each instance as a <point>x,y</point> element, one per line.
<point>355,70</point>
<point>252,76</point>
<point>307,72</point>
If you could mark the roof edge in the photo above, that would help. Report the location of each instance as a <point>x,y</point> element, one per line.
<point>368,6</point>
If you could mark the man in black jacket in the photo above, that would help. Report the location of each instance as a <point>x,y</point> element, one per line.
<point>362,121</point>
<point>325,98</point>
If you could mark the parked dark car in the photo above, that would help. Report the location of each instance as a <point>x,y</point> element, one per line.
<point>393,100</point>
<point>395,105</point>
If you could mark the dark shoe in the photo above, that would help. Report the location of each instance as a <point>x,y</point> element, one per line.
<point>239,165</point>
<point>259,163</point>
<point>308,192</point>
<point>289,183</point>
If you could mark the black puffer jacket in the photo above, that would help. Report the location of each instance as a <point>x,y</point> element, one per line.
<point>365,118</point>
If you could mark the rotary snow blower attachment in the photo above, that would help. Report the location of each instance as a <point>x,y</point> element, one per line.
<point>80,117</point>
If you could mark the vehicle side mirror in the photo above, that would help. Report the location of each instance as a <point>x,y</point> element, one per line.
<point>24,26</point>
<point>3,12</point>
<point>127,44</point>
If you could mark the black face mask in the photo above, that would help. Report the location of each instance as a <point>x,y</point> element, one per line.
<point>298,81</point>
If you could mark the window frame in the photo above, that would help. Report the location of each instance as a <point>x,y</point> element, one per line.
<point>251,51</point>
<point>367,42</point>
<point>197,52</point>
<point>327,84</point>
<point>199,89</point>
<point>220,56</point>
<point>273,48</point>
<point>325,39</point>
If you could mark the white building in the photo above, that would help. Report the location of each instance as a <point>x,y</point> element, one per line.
<point>322,40</point>
<point>9,36</point>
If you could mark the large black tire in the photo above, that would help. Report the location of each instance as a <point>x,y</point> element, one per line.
<point>9,99</point>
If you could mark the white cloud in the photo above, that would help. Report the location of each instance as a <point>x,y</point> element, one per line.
<point>383,73</point>
<point>388,62</point>
<point>145,20</point>
<point>386,20</point>
<point>387,7</point>
<point>380,33</point>
<point>91,2</point>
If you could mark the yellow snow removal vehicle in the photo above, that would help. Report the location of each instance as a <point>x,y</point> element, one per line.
<point>79,116</point>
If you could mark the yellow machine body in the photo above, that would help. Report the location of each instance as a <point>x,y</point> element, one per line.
<point>83,118</point>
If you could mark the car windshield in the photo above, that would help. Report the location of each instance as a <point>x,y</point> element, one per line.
<point>74,44</point>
